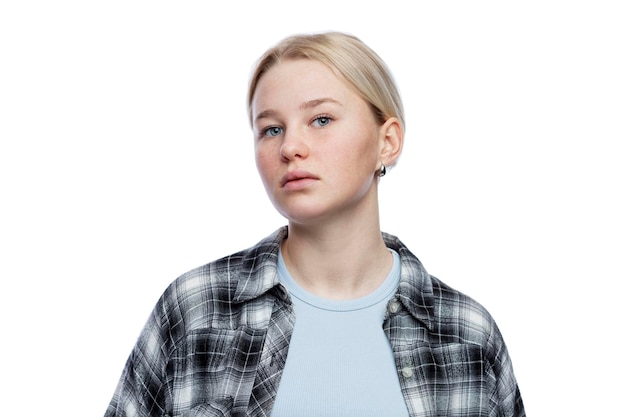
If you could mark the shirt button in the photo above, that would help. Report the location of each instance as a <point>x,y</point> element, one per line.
<point>407,372</point>
<point>394,307</point>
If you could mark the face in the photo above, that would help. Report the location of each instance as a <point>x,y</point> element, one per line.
<point>317,144</point>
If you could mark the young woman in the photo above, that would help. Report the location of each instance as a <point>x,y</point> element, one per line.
<point>328,316</point>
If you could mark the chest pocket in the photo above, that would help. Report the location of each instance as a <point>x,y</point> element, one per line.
<point>214,366</point>
<point>220,408</point>
<point>450,379</point>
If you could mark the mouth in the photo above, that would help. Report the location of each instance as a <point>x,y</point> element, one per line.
<point>297,179</point>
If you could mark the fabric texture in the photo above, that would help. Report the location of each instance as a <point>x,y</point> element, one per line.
<point>217,341</point>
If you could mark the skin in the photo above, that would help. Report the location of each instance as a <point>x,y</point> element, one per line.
<point>318,148</point>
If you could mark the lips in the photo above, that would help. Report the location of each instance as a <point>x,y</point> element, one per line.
<point>297,179</point>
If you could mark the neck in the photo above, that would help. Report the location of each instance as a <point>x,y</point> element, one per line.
<point>335,260</point>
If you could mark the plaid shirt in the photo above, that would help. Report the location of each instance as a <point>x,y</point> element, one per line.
<point>217,341</point>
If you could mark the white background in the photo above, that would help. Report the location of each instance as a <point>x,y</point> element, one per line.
<point>126,160</point>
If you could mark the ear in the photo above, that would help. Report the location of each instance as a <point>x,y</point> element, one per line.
<point>391,141</point>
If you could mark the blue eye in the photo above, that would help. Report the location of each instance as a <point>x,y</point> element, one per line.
<point>273,131</point>
<point>322,121</point>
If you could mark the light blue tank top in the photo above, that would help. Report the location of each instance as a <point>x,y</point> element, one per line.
<point>340,362</point>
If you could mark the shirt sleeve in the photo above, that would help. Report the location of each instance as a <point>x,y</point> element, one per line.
<point>507,398</point>
<point>141,390</point>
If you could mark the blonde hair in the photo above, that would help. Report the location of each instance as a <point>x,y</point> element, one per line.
<point>349,58</point>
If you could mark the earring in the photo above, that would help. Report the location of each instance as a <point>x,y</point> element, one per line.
<point>383,170</point>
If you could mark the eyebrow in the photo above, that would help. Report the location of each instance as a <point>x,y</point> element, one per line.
<point>306,105</point>
<point>318,101</point>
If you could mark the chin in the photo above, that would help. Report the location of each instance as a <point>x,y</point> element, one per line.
<point>301,215</point>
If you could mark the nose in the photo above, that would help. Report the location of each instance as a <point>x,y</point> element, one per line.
<point>294,145</point>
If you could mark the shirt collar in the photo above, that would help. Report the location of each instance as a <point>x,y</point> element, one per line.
<point>258,273</point>
<point>415,290</point>
<point>259,267</point>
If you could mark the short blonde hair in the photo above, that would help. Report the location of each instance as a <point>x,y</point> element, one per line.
<point>349,58</point>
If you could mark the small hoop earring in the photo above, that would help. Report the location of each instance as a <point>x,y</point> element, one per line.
<point>383,170</point>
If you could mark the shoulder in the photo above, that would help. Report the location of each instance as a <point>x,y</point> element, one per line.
<point>461,317</point>
<point>206,296</point>
<point>458,318</point>
<point>450,315</point>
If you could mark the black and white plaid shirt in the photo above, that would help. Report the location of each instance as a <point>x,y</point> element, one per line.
<point>217,341</point>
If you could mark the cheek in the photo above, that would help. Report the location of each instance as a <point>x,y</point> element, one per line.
<point>263,161</point>
<point>359,152</point>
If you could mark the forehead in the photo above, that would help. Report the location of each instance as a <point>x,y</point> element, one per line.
<point>298,79</point>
